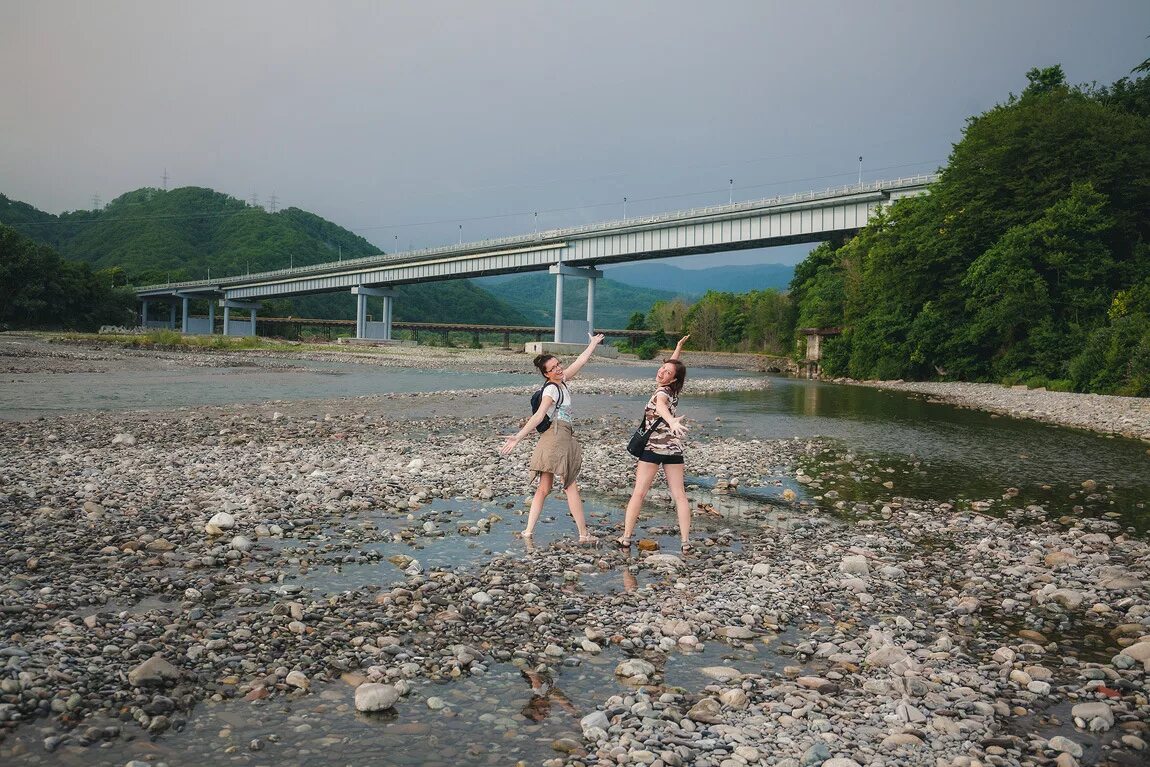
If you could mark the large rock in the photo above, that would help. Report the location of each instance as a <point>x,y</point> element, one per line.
<point>153,671</point>
<point>1139,651</point>
<point>219,523</point>
<point>634,668</point>
<point>375,697</point>
<point>1095,716</point>
<point>855,565</point>
<point>734,632</point>
<point>721,673</point>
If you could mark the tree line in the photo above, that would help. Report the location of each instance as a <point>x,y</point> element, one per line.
<point>1027,262</point>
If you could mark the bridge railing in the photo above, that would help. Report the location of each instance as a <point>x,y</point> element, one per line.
<point>555,235</point>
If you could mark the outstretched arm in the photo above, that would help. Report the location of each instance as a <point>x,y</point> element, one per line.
<point>573,369</point>
<point>510,443</point>
<point>679,347</point>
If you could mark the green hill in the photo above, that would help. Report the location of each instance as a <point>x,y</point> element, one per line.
<point>152,235</point>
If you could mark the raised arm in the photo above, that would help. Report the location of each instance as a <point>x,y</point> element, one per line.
<point>679,347</point>
<point>573,369</point>
<point>509,444</point>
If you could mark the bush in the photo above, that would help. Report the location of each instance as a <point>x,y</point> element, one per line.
<point>647,350</point>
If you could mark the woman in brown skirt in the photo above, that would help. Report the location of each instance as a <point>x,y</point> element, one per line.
<point>557,454</point>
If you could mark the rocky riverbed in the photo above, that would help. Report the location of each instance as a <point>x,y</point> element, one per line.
<point>157,562</point>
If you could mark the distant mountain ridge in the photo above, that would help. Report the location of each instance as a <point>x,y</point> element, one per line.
<point>693,283</point>
<point>533,294</point>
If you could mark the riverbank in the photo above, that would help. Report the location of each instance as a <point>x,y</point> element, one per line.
<point>159,563</point>
<point>1124,416</point>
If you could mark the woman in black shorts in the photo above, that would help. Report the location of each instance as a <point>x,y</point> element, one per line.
<point>665,448</point>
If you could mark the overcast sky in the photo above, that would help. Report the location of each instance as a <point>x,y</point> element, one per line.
<point>403,121</point>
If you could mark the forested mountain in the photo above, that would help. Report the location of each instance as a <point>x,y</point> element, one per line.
<point>533,295</point>
<point>151,235</point>
<point>1028,261</point>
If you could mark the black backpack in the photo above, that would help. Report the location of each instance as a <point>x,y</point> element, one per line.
<point>537,399</point>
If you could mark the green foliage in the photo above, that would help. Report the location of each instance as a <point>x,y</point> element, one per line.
<point>152,236</point>
<point>647,350</point>
<point>758,321</point>
<point>38,289</point>
<point>1019,264</point>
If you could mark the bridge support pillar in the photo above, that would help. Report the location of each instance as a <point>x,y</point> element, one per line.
<point>144,313</point>
<point>230,325</point>
<point>211,318</point>
<point>380,331</point>
<point>172,316</point>
<point>574,331</point>
<point>184,315</point>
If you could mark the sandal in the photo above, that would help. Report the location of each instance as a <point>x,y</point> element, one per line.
<point>687,548</point>
<point>623,543</point>
<point>588,538</point>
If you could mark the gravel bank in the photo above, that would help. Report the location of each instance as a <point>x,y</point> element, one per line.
<point>1125,416</point>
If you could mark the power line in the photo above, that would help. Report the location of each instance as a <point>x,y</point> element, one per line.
<point>273,201</point>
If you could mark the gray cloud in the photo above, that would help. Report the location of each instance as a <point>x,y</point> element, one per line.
<point>403,121</point>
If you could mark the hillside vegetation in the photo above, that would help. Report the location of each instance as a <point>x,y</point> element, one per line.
<point>1028,261</point>
<point>152,236</point>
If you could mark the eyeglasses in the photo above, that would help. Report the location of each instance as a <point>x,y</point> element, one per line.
<point>553,368</point>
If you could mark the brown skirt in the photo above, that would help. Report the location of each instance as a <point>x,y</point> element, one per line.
<point>558,453</point>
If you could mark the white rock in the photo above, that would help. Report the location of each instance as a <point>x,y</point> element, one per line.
<point>1139,651</point>
<point>298,679</point>
<point>241,543</point>
<point>127,440</point>
<point>721,673</point>
<point>1065,745</point>
<point>594,719</point>
<point>1095,716</point>
<point>855,564</point>
<point>223,521</point>
<point>154,670</point>
<point>415,466</point>
<point>375,697</point>
<point>634,667</point>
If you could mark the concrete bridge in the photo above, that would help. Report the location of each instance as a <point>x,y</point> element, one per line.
<point>571,252</point>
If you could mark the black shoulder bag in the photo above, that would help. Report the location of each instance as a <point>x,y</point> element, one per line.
<point>638,442</point>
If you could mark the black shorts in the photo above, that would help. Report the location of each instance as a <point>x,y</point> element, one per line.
<point>649,457</point>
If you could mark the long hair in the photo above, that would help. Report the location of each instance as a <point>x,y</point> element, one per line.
<point>540,362</point>
<point>676,384</point>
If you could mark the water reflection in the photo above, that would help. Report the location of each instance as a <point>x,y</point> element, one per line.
<point>943,452</point>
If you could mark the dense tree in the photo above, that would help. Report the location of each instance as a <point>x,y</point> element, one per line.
<point>40,289</point>
<point>1010,269</point>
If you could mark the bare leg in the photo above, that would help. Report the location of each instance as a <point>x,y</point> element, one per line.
<point>575,505</point>
<point>541,493</point>
<point>644,476</point>
<point>675,472</point>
